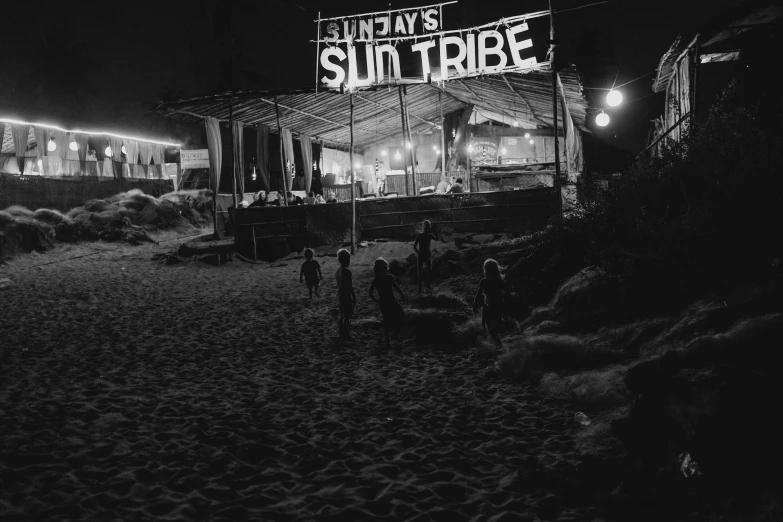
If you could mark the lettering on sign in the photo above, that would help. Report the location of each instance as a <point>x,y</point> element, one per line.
<point>411,46</point>
<point>194,159</point>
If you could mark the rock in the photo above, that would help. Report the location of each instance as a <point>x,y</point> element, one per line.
<point>5,283</point>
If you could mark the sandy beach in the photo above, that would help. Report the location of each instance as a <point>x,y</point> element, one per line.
<point>132,390</point>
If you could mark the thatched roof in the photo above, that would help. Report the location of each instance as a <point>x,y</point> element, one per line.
<point>523,97</point>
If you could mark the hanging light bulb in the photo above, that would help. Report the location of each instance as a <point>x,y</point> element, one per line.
<point>602,120</point>
<point>122,149</point>
<point>531,142</point>
<point>51,146</point>
<point>453,133</point>
<point>515,123</point>
<point>357,165</point>
<point>437,153</point>
<point>397,155</point>
<point>434,147</point>
<point>527,135</point>
<point>408,144</point>
<point>73,146</point>
<point>315,166</point>
<point>383,152</point>
<point>40,164</point>
<point>503,151</point>
<point>614,98</point>
<point>107,151</point>
<point>470,148</point>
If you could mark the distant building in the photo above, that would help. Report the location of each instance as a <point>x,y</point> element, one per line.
<point>743,44</point>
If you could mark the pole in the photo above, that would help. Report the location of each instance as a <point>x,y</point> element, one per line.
<point>558,192</point>
<point>563,109</point>
<point>694,84</point>
<point>317,53</point>
<point>404,150</point>
<point>442,135</point>
<point>410,140</point>
<point>233,152</point>
<point>353,186</point>
<point>282,157</point>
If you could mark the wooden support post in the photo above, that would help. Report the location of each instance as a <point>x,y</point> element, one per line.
<point>233,152</point>
<point>563,109</point>
<point>282,156</point>
<point>255,247</point>
<point>410,140</point>
<point>558,192</point>
<point>404,150</point>
<point>353,186</point>
<point>442,135</point>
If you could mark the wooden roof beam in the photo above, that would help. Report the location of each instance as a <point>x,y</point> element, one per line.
<point>529,107</point>
<point>481,100</point>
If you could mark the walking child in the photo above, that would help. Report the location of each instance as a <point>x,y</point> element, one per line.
<point>311,272</point>
<point>491,291</point>
<point>423,254</point>
<point>346,297</point>
<point>385,283</point>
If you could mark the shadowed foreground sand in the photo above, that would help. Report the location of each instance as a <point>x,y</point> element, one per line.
<point>135,391</point>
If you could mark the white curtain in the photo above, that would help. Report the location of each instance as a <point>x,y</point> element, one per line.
<point>20,134</point>
<point>132,157</point>
<point>307,160</point>
<point>215,152</point>
<point>61,166</point>
<point>145,153</point>
<point>573,141</point>
<point>42,140</point>
<point>158,155</point>
<point>237,131</point>
<point>288,149</point>
<point>81,141</point>
<point>116,155</point>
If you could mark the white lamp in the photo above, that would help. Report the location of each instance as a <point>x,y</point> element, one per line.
<point>527,135</point>
<point>40,164</point>
<point>123,150</point>
<point>614,98</point>
<point>531,142</point>
<point>503,151</point>
<point>51,146</point>
<point>107,151</point>
<point>74,146</point>
<point>602,120</point>
<point>383,152</point>
<point>397,155</point>
<point>408,144</point>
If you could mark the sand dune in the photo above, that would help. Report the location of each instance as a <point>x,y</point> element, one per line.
<point>132,390</point>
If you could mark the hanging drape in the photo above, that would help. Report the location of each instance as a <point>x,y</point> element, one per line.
<point>101,142</point>
<point>237,131</point>
<point>158,156</point>
<point>132,157</point>
<point>307,160</point>
<point>61,139</point>
<point>262,156</point>
<point>19,133</point>
<point>116,155</point>
<point>81,141</point>
<point>288,149</point>
<point>573,141</point>
<point>215,151</point>
<point>317,184</point>
<point>42,140</point>
<point>145,155</point>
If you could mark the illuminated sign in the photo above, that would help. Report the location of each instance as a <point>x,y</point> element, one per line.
<point>411,46</point>
<point>194,159</point>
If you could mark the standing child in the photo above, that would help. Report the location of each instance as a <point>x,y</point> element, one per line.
<point>423,254</point>
<point>346,297</point>
<point>385,283</point>
<point>311,272</point>
<point>492,289</point>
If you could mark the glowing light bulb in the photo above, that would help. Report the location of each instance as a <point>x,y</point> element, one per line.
<point>383,152</point>
<point>107,151</point>
<point>397,155</point>
<point>527,135</point>
<point>531,142</point>
<point>470,148</point>
<point>602,120</point>
<point>515,124</point>
<point>503,151</point>
<point>74,146</point>
<point>408,144</point>
<point>614,98</point>
<point>123,150</point>
<point>437,153</point>
<point>434,147</point>
<point>357,165</point>
<point>40,164</point>
<point>51,146</point>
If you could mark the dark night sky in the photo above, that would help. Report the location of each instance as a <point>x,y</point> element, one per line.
<point>100,65</point>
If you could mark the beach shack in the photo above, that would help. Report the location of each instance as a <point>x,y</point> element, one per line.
<point>401,103</point>
<point>735,45</point>
<point>43,165</point>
